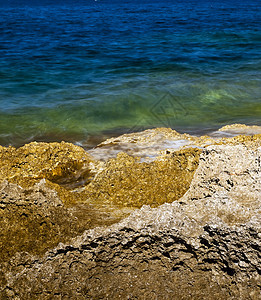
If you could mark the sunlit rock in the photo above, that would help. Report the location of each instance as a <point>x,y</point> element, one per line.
<point>195,236</point>
<point>58,162</point>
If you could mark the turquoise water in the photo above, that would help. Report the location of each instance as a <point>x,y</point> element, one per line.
<point>83,70</point>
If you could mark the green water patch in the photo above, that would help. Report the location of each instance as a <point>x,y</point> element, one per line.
<point>127,108</point>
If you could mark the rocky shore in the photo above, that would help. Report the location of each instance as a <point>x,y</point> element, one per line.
<point>149,215</point>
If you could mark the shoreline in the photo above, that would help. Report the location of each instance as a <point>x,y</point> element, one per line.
<point>93,139</point>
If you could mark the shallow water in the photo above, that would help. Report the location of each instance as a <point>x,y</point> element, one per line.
<point>84,70</point>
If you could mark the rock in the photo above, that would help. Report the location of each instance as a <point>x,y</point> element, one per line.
<point>147,145</point>
<point>31,220</point>
<point>204,245</point>
<point>125,181</point>
<point>63,166</point>
<point>240,129</point>
<point>34,220</point>
<point>151,143</point>
<point>61,163</point>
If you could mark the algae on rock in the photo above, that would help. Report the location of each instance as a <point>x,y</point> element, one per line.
<point>45,208</point>
<point>205,246</point>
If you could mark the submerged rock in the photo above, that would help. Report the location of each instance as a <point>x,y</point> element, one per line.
<point>204,245</point>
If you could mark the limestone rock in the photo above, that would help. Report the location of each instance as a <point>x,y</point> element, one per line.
<point>147,145</point>
<point>206,245</point>
<point>32,220</point>
<point>240,129</point>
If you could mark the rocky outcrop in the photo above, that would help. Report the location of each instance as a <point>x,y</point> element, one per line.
<point>204,245</point>
<point>61,163</point>
<point>148,144</point>
<point>53,192</point>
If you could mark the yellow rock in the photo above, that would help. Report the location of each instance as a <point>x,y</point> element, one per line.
<point>127,182</point>
<point>60,163</point>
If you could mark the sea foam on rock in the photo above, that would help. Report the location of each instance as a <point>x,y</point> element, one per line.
<point>204,245</point>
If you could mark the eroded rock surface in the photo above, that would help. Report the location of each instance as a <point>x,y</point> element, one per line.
<point>205,245</point>
<point>239,129</point>
<point>52,192</point>
<point>148,144</point>
<point>34,220</point>
<point>58,162</point>
<point>125,181</point>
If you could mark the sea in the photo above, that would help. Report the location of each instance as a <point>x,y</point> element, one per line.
<point>84,70</point>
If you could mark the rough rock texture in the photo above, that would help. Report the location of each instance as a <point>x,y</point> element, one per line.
<point>32,220</point>
<point>60,163</point>
<point>125,181</point>
<point>147,144</point>
<point>206,245</point>
<point>35,219</point>
<point>236,129</point>
<point>55,200</point>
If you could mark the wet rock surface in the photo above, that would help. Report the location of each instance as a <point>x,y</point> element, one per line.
<point>147,145</point>
<point>204,245</point>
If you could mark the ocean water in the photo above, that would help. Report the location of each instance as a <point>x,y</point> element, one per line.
<point>80,71</point>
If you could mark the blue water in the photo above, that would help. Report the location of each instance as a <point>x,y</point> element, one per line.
<point>82,70</point>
